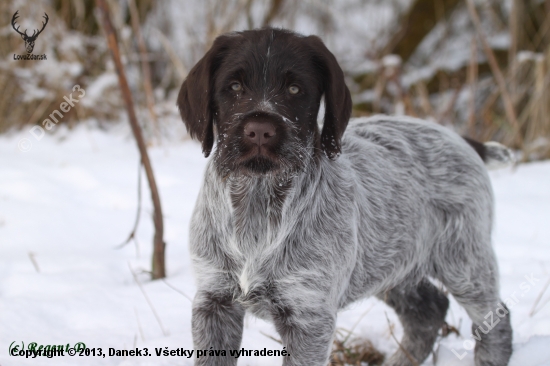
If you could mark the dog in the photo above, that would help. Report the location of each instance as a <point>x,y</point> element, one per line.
<point>293,223</point>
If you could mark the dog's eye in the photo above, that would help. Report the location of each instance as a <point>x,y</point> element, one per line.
<point>293,89</point>
<point>236,86</point>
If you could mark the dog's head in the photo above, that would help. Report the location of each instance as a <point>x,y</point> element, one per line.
<point>260,90</point>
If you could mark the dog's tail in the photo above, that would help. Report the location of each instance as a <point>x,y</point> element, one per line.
<point>494,155</point>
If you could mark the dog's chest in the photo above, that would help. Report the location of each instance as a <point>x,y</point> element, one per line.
<point>256,271</point>
<point>255,243</point>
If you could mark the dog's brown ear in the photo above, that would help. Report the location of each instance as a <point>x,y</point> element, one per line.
<point>195,99</point>
<point>337,98</point>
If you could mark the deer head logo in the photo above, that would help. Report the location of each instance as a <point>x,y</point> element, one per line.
<point>29,40</point>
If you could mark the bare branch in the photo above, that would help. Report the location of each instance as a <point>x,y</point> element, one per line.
<point>508,104</point>
<point>158,270</point>
<point>534,309</point>
<point>413,361</point>
<point>145,69</point>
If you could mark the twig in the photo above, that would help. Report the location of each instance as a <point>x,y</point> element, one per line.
<point>422,91</point>
<point>537,111</point>
<point>409,356</point>
<point>139,325</point>
<point>138,214</point>
<point>274,10</point>
<point>393,72</point>
<point>145,69</point>
<point>501,82</point>
<point>449,108</point>
<point>178,64</point>
<point>543,30</point>
<point>447,329</point>
<point>227,21</point>
<point>39,111</point>
<point>357,323</point>
<point>177,290</point>
<point>515,26</point>
<point>360,352</point>
<point>272,338</point>
<point>486,109</point>
<point>158,270</point>
<point>249,19</point>
<point>379,91</point>
<point>472,82</point>
<point>542,305</point>
<point>164,332</point>
<point>34,262</point>
<point>539,297</point>
<point>242,7</point>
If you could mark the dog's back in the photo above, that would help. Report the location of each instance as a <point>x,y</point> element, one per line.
<point>424,185</point>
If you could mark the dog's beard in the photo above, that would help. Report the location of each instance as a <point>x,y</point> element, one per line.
<point>260,165</point>
<point>290,158</point>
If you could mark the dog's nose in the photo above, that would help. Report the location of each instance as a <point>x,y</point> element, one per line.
<point>259,133</point>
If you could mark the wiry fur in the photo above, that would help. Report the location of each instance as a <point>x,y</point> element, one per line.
<point>406,201</point>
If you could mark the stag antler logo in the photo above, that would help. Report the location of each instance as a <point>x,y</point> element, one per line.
<point>29,40</point>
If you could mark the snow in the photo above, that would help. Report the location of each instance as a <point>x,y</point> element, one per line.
<point>71,200</point>
<point>391,61</point>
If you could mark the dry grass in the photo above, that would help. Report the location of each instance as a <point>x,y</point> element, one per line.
<point>506,100</point>
<point>354,351</point>
<point>32,90</point>
<point>348,351</point>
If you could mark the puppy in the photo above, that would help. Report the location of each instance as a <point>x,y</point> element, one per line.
<point>293,224</point>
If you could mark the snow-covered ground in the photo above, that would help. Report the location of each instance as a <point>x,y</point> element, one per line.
<point>71,200</point>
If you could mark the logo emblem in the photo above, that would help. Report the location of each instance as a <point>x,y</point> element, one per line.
<point>29,40</point>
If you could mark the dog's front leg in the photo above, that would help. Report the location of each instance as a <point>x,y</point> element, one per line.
<point>307,335</point>
<point>217,325</point>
